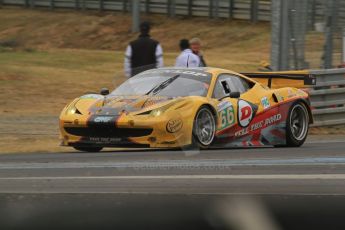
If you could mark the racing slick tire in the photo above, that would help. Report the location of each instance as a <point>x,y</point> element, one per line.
<point>297,125</point>
<point>88,149</point>
<point>204,128</point>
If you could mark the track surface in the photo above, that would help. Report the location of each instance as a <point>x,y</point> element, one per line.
<point>316,168</point>
<point>292,188</point>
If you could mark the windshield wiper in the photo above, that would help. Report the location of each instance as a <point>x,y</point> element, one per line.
<point>155,90</point>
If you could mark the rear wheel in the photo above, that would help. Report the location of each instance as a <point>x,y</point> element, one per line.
<point>88,149</point>
<point>204,128</point>
<point>297,125</point>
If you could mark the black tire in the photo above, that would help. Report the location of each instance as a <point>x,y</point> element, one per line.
<point>88,149</point>
<point>297,125</point>
<point>202,139</point>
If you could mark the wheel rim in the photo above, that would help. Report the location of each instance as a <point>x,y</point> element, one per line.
<point>205,126</point>
<point>299,122</point>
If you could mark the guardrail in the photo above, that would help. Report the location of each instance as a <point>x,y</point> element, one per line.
<point>328,97</point>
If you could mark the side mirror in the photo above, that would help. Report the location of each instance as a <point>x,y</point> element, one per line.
<point>235,95</point>
<point>104,91</point>
<point>231,95</point>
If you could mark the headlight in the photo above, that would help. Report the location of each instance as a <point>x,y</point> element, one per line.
<point>156,112</point>
<point>71,110</point>
<point>159,111</point>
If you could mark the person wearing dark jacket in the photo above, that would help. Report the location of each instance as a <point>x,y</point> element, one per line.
<point>143,53</point>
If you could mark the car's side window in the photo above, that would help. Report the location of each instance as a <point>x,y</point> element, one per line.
<point>236,84</point>
<point>221,88</point>
<point>227,83</point>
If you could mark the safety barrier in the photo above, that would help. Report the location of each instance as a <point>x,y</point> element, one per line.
<point>328,97</point>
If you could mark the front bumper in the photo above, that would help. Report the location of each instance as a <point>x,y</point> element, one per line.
<point>122,131</point>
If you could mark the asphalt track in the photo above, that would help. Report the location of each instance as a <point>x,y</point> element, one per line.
<point>303,187</point>
<point>316,168</point>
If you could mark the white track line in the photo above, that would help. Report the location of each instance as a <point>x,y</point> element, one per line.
<point>178,164</point>
<point>192,177</point>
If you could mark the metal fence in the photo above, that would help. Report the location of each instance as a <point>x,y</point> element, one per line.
<point>318,12</point>
<point>255,10</point>
<point>239,9</point>
<point>307,33</point>
<point>328,97</point>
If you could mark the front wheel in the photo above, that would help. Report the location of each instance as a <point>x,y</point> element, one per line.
<point>297,125</point>
<point>88,149</point>
<point>204,128</point>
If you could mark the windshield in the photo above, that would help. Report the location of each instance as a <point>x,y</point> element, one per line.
<point>170,84</point>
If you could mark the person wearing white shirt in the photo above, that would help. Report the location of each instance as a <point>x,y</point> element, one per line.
<point>187,58</point>
<point>195,45</point>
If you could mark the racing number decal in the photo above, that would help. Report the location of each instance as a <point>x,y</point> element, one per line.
<point>227,115</point>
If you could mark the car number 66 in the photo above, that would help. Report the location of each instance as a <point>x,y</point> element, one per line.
<point>227,116</point>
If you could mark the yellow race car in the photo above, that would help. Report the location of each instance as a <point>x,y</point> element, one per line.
<point>198,107</point>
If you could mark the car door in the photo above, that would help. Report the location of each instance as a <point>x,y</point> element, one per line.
<point>232,111</point>
<point>227,107</point>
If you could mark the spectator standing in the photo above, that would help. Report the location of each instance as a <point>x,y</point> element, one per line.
<point>187,58</point>
<point>195,44</point>
<point>143,53</point>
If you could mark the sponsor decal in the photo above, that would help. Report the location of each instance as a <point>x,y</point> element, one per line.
<point>92,96</point>
<point>105,139</point>
<point>223,105</point>
<point>245,113</point>
<point>102,119</point>
<point>290,93</point>
<point>174,125</point>
<point>227,114</point>
<point>301,92</point>
<point>177,71</point>
<point>273,119</point>
<point>265,102</point>
<point>260,125</point>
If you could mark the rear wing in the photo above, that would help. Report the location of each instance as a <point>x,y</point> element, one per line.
<point>296,79</point>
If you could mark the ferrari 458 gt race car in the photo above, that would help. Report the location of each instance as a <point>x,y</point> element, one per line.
<point>198,107</point>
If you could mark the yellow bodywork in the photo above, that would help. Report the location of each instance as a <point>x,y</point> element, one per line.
<point>171,121</point>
